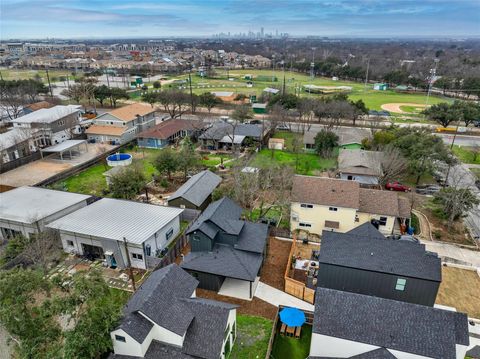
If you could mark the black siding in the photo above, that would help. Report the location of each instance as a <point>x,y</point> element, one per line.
<point>179,202</point>
<point>227,239</point>
<point>208,281</point>
<point>203,244</point>
<point>418,291</point>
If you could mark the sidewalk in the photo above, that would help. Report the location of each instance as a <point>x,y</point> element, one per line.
<point>277,297</point>
<point>449,250</point>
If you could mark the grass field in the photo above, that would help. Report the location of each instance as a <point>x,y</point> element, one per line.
<point>467,154</point>
<point>253,334</point>
<point>290,348</point>
<point>460,288</point>
<point>16,74</point>
<point>308,163</point>
<point>373,99</point>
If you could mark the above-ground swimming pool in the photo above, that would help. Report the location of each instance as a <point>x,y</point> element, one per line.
<point>119,159</point>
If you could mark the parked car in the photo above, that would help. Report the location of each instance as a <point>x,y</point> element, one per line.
<point>477,183</point>
<point>429,189</point>
<point>476,123</point>
<point>397,186</point>
<point>283,127</point>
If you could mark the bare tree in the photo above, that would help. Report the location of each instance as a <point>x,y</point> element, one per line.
<point>306,114</point>
<point>393,165</point>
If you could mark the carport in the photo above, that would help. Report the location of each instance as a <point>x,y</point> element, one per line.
<point>69,146</point>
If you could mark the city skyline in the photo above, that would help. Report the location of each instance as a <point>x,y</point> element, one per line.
<point>23,19</point>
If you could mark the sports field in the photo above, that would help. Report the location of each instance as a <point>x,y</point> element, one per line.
<point>16,74</point>
<point>294,82</point>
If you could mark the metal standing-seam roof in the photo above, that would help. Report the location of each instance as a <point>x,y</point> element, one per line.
<point>402,258</point>
<point>116,219</point>
<point>48,115</point>
<point>30,204</point>
<point>197,189</point>
<point>386,323</point>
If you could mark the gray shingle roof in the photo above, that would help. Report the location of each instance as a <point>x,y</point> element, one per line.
<point>225,261</point>
<point>380,255</point>
<point>360,162</point>
<point>380,353</point>
<point>401,326</point>
<point>221,129</point>
<point>224,213</point>
<point>474,352</point>
<point>157,298</point>
<point>136,325</point>
<point>158,350</point>
<point>253,237</point>
<point>205,335</point>
<point>197,189</point>
<point>366,230</point>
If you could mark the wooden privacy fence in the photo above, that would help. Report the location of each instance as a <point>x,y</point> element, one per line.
<point>293,286</point>
<point>173,252</point>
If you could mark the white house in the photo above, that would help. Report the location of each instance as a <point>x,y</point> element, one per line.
<point>362,166</point>
<point>122,124</point>
<point>26,210</point>
<point>350,325</point>
<point>53,125</point>
<point>165,319</point>
<point>109,228</point>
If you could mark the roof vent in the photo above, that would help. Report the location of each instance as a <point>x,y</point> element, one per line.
<point>371,253</point>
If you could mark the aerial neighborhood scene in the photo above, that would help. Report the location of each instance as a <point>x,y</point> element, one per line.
<point>251,179</point>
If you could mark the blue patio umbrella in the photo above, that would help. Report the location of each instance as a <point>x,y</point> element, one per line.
<point>293,317</point>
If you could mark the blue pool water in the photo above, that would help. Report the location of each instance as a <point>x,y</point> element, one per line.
<point>119,157</point>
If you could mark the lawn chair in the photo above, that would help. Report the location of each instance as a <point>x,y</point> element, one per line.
<point>298,330</point>
<point>282,329</point>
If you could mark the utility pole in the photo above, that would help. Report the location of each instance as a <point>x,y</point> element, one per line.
<point>283,89</point>
<point>433,73</point>
<point>106,74</point>
<point>451,148</point>
<point>130,270</point>
<point>49,84</point>
<point>366,74</point>
<point>312,64</point>
<point>190,83</point>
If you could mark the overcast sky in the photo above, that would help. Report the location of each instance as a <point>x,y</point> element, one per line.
<point>128,18</point>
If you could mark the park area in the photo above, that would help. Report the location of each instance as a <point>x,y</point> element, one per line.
<point>470,155</point>
<point>294,82</point>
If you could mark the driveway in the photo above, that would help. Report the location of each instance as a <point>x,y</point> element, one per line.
<point>467,256</point>
<point>277,297</point>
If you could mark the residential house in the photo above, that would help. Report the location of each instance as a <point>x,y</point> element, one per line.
<point>26,210</point>
<point>121,125</point>
<point>168,132</point>
<point>348,137</point>
<point>196,193</point>
<point>14,144</point>
<point>320,203</point>
<point>226,251</point>
<point>351,325</point>
<point>109,228</point>
<point>37,106</point>
<point>52,125</point>
<point>362,166</point>
<point>276,144</point>
<point>221,134</point>
<point>165,319</point>
<point>364,261</point>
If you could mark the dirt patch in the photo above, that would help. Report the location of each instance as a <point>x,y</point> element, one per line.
<point>460,288</point>
<point>456,234</point>
<point>395,107</point>
<point>256,307</point>
<point>275,264</point>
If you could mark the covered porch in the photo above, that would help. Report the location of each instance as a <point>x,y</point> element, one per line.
<point>237,288</point>
<point>67,149</point>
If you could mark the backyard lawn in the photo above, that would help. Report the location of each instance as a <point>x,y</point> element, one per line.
<point>308,163</point>
<point>212,160</point>
<point>460,288</point>
<point>467,154</point>
<point>290,348</point>
<point>253,334</point>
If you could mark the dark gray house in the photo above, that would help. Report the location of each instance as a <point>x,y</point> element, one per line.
<point>226,252</point>
<point>351,325</point>
<point>165,319</point>
<point>196,193</point>
<point>221,135</point>
<point>364,261</point>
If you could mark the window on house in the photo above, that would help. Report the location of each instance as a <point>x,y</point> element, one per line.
<point>382,221</point>
<point>304,205</point>
<point>120,338</point>
<point>137,256</point>
<point>401,283</point>
<point>69,243</point>
<point>333,209</point>
<point>350,178</point>
<point>307,225</point>
<point>196,238</point>
<point>169,234</point>
<point>227,331</point>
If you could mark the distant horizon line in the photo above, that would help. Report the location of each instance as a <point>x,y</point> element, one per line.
<point>216,36</point>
